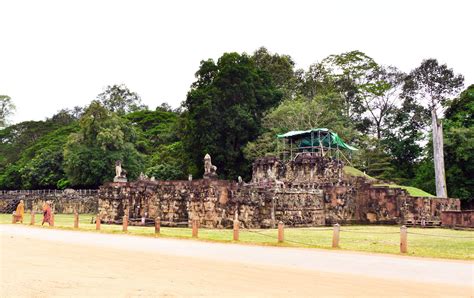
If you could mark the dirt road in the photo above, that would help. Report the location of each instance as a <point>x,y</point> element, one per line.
<point>44,262</point>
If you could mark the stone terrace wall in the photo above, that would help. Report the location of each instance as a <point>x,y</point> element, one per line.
<point>66,201</point>
<point>464,219</point>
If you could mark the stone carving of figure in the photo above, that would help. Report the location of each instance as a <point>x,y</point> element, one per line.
<point>142,176</point>
<point>120,173</point>
<point>118,169</point>
<point>210,170</point>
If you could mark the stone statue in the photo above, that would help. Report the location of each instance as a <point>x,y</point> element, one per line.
<point>210,170</point>
<point>120,174</point>
<point>190,177</point>
<point>142,176</point>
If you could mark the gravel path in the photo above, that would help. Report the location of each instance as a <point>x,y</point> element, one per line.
<point>45,262</point>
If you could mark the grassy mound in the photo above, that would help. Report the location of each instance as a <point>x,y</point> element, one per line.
<point>412,191</point>
<point>351,171</point>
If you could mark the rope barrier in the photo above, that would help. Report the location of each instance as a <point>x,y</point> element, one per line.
<point>445,236</point>
<point>363,232</point>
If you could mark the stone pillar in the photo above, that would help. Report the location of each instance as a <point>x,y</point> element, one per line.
<point>76,220</point>
<point>335,236</point>
<point>403,239</point>
<point>125,223</point>
<point>281,233</point>
<point>157,225</point>
<point>236,230</point>
<point>97,222</point>
<point>195,224</point>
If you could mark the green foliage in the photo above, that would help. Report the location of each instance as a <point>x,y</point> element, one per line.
<point>280,68</point>
<point>459,145</point>
<point>377,163</point>
<point>224,110</point>
<point>103,138</point>
<point>63,183</point>
<point>33,158</point>
<point>169,163</point>
<point>119,99</point>
<point>158,127</point>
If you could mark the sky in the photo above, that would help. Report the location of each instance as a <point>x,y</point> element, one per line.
<point>61,54</point>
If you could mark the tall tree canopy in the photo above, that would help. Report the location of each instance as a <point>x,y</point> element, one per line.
<point>432,84</point>
<point>119,99</point>
<point>224,110</point>
<point>459,145</point>
<point>103,138</point>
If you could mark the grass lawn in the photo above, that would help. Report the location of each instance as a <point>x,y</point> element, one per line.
<point>434,242</point>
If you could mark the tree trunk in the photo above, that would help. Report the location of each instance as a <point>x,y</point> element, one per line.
<point>438,154</point>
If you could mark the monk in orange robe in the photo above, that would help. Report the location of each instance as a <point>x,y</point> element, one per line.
<point>20,211</point>
<point>46,213</point>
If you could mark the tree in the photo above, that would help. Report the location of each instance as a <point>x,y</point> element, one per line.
<point>350,72</point>
<point>224,109</point>
<point>459,145</point>
<point>280,68</point>
<point>432,84</point>
<point>380,95</point>
<point>119,99</point>
<point>403,137</point>
<point>6,109</point>
<point>34,154</point>
<point>103,138</point>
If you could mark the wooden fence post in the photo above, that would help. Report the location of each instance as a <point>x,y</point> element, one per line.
<point>157,225</point>
<point>32,222</point>
<point>281,232</point>
<point>195,224</point>
<point>403,239</point>
<point>125,223</point>
<point>97,222</point>
<point>13,218</point>
<point>236,230</point>
<point>51,221</point>
<point>335,236</point>
<point>76,220</point>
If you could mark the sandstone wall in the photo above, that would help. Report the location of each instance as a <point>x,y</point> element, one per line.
<point>464,219</point>
<point>67,201</point>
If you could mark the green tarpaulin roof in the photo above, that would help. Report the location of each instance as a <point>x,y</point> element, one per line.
<point>328,138</point>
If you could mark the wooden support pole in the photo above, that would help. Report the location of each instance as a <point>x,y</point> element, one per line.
<point>195,224</point>
<point>335,236</point>
<point>51,221</point>
<point>403,240</point>
<point>97,222</point>
<point>76,220</point>
<point>281,232</point>
<point>32,222</point>
<point>125,223</point>
<point>236,230</point>
<point>157,225</point>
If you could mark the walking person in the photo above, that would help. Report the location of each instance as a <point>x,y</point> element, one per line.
<point>46,213</point>
<point>20,211</point>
